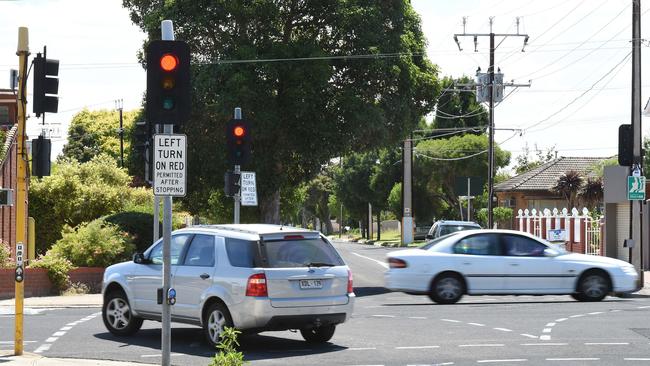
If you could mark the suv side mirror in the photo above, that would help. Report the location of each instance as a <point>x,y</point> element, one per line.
<point>139,258</point>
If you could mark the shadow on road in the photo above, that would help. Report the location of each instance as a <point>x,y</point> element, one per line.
<point>370,291</point>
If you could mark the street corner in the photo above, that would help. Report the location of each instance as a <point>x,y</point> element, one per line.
<point>8,357</point>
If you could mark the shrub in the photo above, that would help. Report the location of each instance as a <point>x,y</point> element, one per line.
<point>76,288</point>
<point>57,269</point>
<point>5,255</point>
<point>94,244</point>
<point>138,225</point>
<point>228,354</point>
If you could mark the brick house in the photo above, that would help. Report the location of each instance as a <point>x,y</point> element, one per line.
<point>532,189</point>
<point>8,149</point>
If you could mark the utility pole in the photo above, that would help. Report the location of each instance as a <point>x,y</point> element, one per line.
<point>21,186</point>
<point>636,253</point>
<point>491,91</point>
<point>237,172</point>
<point>407,203</point>
<point>119,104</point>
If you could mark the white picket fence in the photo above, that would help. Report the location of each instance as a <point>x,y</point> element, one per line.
<point>576,230</point>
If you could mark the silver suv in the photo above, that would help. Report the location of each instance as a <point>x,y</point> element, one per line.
<point>254,277</point>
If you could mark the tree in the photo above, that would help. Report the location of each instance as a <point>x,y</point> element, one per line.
<point>591,193</point>
<point>526,163</point>
<point>568,185</point>
<point>459,108</point>
<point>319,101</point>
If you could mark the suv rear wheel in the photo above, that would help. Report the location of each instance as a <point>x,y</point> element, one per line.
<point>117,315</point>
<point>319,334</point>
<point>216,319</point>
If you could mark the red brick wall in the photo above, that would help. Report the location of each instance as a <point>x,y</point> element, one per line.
<point>38,284</point>
<point>8,180</point>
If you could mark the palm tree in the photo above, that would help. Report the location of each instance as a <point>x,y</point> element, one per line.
<point>568,185</point>
<point>592,192</point>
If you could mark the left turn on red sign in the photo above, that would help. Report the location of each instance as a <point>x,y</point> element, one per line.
<point>170,165</point>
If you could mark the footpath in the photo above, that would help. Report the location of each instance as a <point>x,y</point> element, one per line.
<point>95,301</point>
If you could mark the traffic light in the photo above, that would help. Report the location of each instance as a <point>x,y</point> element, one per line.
<point>168,82</point>
<point>238,139</point>
<point>625,153</point>
<point>46,85</point>
<point>231,184</point>
<point>41,152</point>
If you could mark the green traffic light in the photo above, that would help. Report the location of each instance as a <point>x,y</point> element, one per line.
<point>168,104</point>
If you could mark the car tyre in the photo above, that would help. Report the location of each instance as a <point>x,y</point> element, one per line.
<point>117,315</point>
<point>447,289</point>
<point>577,296</point>
<point>593,286</point>
<point>216,319</point>
<point>318,334</point>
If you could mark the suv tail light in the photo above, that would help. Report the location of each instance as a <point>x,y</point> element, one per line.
<point>396,263</point>
<point>350,287</point>
<point>256,285</point>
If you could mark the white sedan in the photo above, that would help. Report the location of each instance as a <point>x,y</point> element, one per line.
<point>504,262</point>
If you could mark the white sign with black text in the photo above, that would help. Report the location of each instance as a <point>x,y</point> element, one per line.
<point>169,165</point>
<point>248,189</point>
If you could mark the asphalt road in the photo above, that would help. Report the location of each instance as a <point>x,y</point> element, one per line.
<point>386,329</point>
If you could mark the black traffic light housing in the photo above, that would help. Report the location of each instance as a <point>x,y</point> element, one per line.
<point>238,138</point>
<point>625,148</point>
<point>168,82</point>
<point>46,85</point>
<point>41,152</point>
<point>231,183</point>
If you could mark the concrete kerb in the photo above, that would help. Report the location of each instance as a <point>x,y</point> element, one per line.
<point>31,359</point>
<point>71,301</point>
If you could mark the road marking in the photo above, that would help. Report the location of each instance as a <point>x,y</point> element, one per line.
<point>481,345</point>
<point>550,324</point>
<point>596,313</point>
<point>12,342</point>
<point>417,347</point>
<point>560,320</point>
<point>547,330</point>
<point>576,316</point>
<point>58,334</point>
<point>529,335</point>
<point>384,316</point>
<point>43,348</point>
<point>55,336</point>
<point>477,324</point>
<point>385,265</point>
<point>51,339</point>
<point>643,307</point>
<point>573,359</point>
<point>417,317</point>
<point>451,320</point>
<point>65,328</point>
<point>636,359</point>
<point>503,329</point>
<point>544,344</point>
<point>606,344</point>
<point>362,349</point>
<point>545,338</point>
<point>507,360</point>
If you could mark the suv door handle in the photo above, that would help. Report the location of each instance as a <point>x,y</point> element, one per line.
<point>205,276</point>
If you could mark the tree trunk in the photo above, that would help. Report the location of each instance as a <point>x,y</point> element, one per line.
<point>270,208</point>
<point>378,225</point>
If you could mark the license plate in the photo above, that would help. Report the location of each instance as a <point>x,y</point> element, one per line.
<point>307,284</point>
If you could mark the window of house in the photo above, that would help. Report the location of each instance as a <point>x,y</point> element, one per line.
<point>4,115</point>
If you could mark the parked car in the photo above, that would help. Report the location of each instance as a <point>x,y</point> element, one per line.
<point>444,227</point>
<point>504,262</point>
<point>252,277</point>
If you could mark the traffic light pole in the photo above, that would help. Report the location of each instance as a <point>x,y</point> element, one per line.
<point>21,186</point>
<point>237,171</point>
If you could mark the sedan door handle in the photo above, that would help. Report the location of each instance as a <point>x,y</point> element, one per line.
<point>205,276</point>
<point>467,263</point>
<point>514,264</point>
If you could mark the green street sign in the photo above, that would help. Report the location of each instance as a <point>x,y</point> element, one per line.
<point>635,188</point>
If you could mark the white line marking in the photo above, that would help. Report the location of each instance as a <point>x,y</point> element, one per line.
<point>385,265</point>
<point>574,359</point>
<point>545,337</point>
<point>636,359</point>
<point>362,348</point>
<point>58,334</point>
<point>384,316</point>
<point>417,317</point>
<point>43,348</point>
<point>160,355</point>
<point>529,335</point>
<point>576,316</point>
<point>451,320</point>
<point>12,342</point>
<point>477,324</point>
<point>643,307</point>
<point>547,330</point>
<point>560,320</point>
<point>65,328</point>
<point>503,329</point>
<point>606,344</point>
<point>443,364</point>
<point>544,344</point>
<point>615,311</point>
<point>51,339</point>
<point>499,361</point>
<point>417,347</point>
<point>481,345</point>
<point>550,324</point>
<point>596,313</point>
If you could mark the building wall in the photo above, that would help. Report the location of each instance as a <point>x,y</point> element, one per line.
<point>8,180</point>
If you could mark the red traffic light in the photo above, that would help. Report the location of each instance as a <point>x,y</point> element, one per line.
<point>168,62</point>
<point>239,131</point>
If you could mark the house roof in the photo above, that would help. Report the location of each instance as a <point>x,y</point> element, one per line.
<point>544,177</point>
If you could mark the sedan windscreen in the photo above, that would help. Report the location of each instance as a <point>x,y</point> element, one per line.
<point>301,253</point>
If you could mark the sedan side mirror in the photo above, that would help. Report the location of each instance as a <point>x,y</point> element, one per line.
<point>548,252</point>
<point>139,258</point>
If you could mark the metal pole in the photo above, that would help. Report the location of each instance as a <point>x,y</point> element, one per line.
<point>468,199</point>
<point>341,204</point>
<point>491,135</point>
<point>167,29</point>
<point>121,137</point>
<point>407,213</point>
<point>636,259</point>
<point>237,171</point>
<point>21,185</point>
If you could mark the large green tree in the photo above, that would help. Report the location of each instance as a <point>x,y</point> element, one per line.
<point>317,79</point>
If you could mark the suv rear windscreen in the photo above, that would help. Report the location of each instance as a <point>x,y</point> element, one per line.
<point>301,253</point>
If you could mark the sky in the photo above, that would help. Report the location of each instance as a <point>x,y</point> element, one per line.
<point>577,61</point>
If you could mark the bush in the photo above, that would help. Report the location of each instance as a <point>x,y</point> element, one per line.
<point>94,244</point>
<point>5,255</point>
<point>57,269</point>
<point>138,225</point>
<point>501,215</point>
<point>228,355</point>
